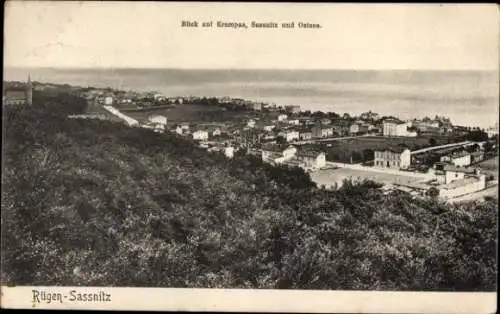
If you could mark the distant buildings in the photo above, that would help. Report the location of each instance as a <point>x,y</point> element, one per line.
<point>393,158</point>
<point>393,127</point>
<point>200,135</point>
<point>282,117</point>
<point>321,132</point>
<point>492,131</point>
<point>275,153</point>
<point>291,156</point>
<point>158,122</point>
<point>290,135</point>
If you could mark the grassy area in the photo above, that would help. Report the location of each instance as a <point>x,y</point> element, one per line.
<point>193,113</point>
<point>361,149</point>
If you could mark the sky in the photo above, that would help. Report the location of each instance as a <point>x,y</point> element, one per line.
<point>353,36</point>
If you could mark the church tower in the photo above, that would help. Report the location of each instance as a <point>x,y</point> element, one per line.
<point>29,91</point>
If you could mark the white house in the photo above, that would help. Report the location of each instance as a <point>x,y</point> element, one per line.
<point>290,135</point>
<point>200,135</point>
<point>282,117</point>
<point>393,127</point>
<point>392,157</point>
<point>229,152</point>
<point>456,181</point>
<point>108,100</point>
<point>269,128</point>
<point>251,123</point>
<point>274,153</point>
<point>462,158</point>
<point>294,122</point>
<point>158,122</point>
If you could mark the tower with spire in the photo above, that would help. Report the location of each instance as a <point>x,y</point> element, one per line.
<point>29,91</point>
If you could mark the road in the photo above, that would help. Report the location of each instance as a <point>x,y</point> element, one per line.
<point>423,150</point>
<point>329,139</point>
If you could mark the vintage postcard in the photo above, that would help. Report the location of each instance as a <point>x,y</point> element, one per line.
<point>250,157</point>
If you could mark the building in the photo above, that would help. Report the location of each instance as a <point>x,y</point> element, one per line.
<point>492,131</point>
<point>354,129</point>
<point>282,117</point>
<point>326,121</point>
<point>275,153</point>
<point>393,127</point>
<point>268,128</point>
<point>456,181</point>
<point>310,160</point>
<point>158,122</point>
<point>200,135</point>
<point>321,132</point>
<point>290,135</point>
<point>393,157</point>
<point>229,152</point>
<point>19,96</point>
<point>108,100</point>
<point>305,121</point>
<point>255,106</point>
<point>251,123</point>
<point>294,122</point>
<point>305,135</point>
<point>461,158</point>
<point>477,157</point>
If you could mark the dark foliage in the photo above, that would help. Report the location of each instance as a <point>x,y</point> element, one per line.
<point>97,203</point>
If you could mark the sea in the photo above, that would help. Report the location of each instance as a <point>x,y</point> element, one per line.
<point>468,98</point>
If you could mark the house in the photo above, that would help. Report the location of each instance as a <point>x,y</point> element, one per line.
<point>268,128</point>
<point>305,135</point>
<point>305,120</point>
<point>397,157</point>
<point>200,135</point>
<point>255,106</point>
<point>477,156</point>
<point>275,153</point>
<point>229,152</point>
<point>321,132</point>
<point>456,181</point>
<point>446,173</point>
<point>326,121</point>
<point>393,127</point>
<point>251,123</point>
<point>294,122</point>
<point>492,131</point>
<point>290,135</point>
<point>108,100</point>
<point>311,159</point>
<point>461,158</point>
<point>354,129</point>
<point>282,117</point>
<point>157,122</point>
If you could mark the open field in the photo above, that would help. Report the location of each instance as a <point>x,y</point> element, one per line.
<point>330,177</point>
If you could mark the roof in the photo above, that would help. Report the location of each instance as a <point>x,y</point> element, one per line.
<point>275,147</point>
<point>308,153</point>
<point>459,169</point>
<point>392,120</point>
<point>457,183</point>
<point>459,154</point>
<point>394,149</point>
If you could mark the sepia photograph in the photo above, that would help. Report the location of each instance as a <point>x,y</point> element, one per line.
<point>271,151</point>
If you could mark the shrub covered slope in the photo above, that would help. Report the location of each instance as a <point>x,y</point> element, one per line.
<point>98,203</point>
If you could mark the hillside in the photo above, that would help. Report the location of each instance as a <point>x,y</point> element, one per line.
<point>98,203</point>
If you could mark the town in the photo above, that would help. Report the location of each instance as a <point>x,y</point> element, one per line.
<point>425,157</point>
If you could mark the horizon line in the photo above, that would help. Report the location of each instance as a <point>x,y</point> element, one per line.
<point>242,69</point>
